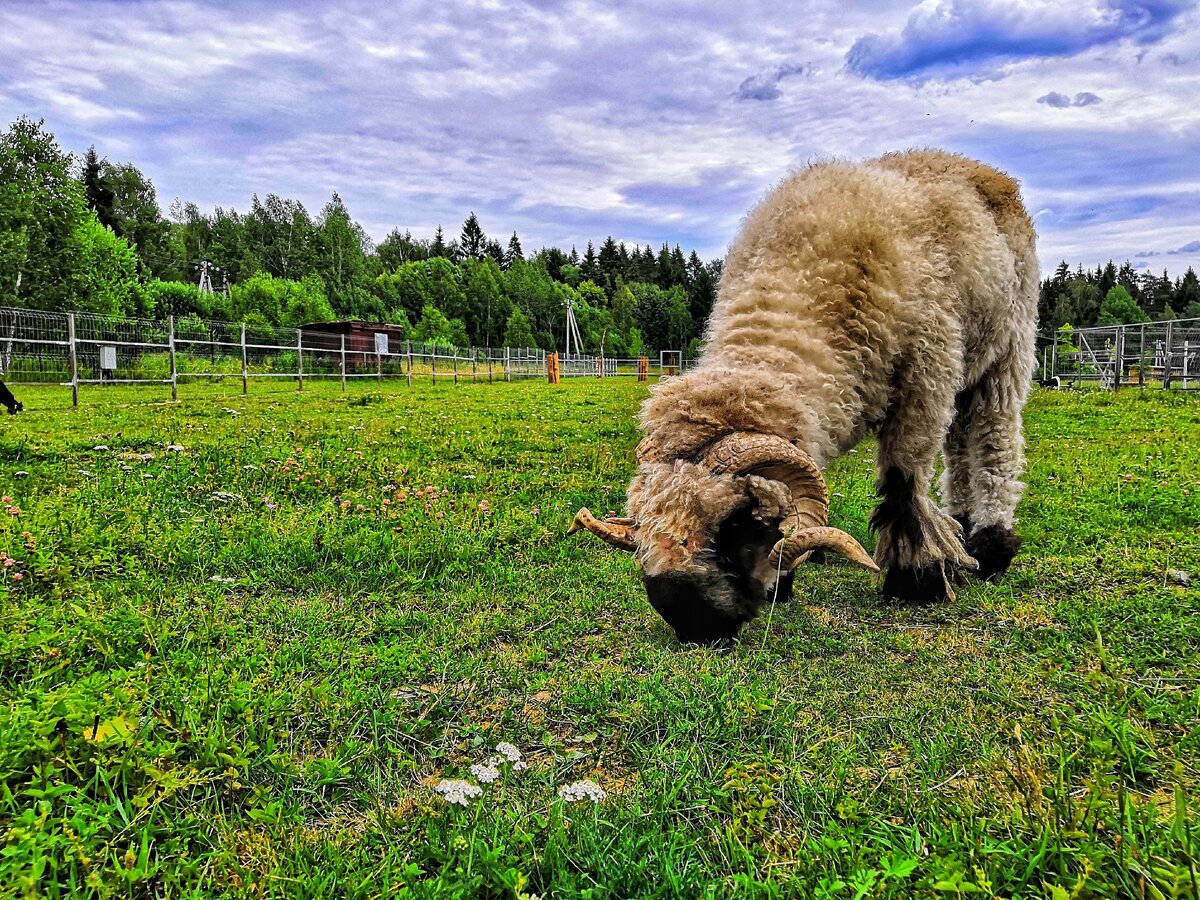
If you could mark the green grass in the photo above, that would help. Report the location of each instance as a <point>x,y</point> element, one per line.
<point>221,676</point>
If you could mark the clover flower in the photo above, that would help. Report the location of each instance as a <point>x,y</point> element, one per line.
<point>582,790</point>
<point>455,790</point>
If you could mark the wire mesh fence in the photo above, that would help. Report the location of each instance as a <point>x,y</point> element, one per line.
<point>1149,354</point>
<point>75,349</point>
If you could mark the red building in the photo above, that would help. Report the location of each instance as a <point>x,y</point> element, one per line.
<point>365,341</point>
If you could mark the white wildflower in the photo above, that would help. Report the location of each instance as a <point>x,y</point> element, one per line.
<point>520,765</point>
<point>508,751</point>
<point>582,790</point>
<point>455,790</point>
<point>488,772</point>
<point>100,447</point>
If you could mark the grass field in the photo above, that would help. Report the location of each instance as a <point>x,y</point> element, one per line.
<point>243,639</point>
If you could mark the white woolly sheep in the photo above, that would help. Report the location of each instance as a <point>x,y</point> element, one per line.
<point>896,296</point>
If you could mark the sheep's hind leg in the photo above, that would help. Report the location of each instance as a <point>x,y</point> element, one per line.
<point>996,451</point>
<point>919,545</point>
<point>956,479</point>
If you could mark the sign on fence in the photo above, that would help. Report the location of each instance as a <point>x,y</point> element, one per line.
<point>381,343</point>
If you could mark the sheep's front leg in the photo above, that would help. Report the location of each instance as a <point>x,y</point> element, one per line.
<point>919,545</point>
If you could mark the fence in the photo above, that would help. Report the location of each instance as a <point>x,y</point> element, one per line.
<point>1161,354</point>
<point>75,349</point>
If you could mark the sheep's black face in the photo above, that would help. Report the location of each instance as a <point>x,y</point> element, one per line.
<point>732,581</point>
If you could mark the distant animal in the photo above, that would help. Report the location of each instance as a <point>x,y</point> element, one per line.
<point>896,296</point>
<point>8,400</point>
<point>1052,382</point>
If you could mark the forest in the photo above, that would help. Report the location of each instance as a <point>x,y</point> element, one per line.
<point>89,235</point>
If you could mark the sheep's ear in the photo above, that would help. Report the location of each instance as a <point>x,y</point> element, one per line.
<point>614,530</point>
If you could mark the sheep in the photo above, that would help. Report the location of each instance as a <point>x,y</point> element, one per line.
<point>9,401</point>
<point>898,297</point>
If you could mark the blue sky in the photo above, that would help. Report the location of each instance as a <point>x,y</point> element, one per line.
<point>651,122</point>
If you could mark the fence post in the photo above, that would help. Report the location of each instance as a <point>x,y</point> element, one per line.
<point>171,354</point>
<point>506,375</point>
<point>433,363</point>
<point>1187,348</point>
<point>1169,357</point>
<point>343,355</point>
<point>473,367</point>
<point>378,364</point>
<point>489,359</point>
<point>1119,350</point>
<point>408,351</point>
<point>74,360</point>
<point>1142,358</point>
<point>245,367</point>
<point>299,360</point>
<point>456,365</point>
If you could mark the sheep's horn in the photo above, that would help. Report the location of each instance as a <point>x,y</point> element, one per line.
<point>768,455</point>
<point>791,551</point>
<point>615,531</point>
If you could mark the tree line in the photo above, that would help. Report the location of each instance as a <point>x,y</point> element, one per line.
<point>1109,295</point>
<point>90,235</point>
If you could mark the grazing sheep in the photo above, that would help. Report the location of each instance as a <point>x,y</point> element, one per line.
<point>897,297</point>
<point>8,400</point>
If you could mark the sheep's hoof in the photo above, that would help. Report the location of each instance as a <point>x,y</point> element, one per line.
<point>917,586</point>
<point>994,547</point>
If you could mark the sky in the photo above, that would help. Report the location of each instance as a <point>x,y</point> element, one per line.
<point>650,122</point>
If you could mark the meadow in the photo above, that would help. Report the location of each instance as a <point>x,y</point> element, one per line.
<point>244,640</point>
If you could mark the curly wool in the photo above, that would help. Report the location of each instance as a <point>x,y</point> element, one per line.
<point>679,505</point>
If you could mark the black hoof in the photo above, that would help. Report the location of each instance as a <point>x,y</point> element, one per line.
<point>994,548</point>
<point>924,585</point>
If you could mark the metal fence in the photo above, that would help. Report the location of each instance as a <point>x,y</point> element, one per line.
<point>76,349</point>
<point>1150,354</point>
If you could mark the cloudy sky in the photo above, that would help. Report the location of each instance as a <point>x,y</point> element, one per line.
<point>651,122</point>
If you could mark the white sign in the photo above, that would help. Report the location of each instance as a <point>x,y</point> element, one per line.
<point>381,343</point>
<point>108,357</point>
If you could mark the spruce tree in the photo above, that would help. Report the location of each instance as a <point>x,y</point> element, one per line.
<point>514,252</point>
<point>438,247</point>
<point>472,240</point>
<point>100,197</point>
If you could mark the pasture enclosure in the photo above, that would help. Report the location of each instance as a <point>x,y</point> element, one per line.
<point>1160,354</point>
<point>245,639</point>
<point>75,349</point>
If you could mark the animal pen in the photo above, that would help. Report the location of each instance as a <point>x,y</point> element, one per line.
<point>84,349</point>
<point>1148,354</point>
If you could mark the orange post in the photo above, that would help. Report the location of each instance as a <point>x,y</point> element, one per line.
<point>552,371</point>
<point>643,368</point>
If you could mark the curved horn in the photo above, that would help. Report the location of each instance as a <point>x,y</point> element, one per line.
<point>618,532</point>
<point>790,551</point>
<point>768,455</point>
